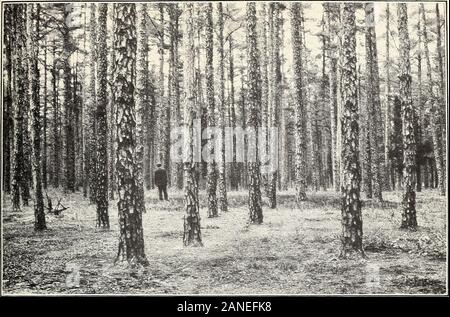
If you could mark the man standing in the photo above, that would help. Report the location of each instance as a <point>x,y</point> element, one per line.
<point>161,181</point>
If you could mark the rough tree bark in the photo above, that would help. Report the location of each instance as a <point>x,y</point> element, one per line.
<point>254,102</point>
<point>19,184</point>
<point>91,163</point>
<point>222,186</point>
<point>33,11</point>
<point>131,240</point>
<point>192,232</point>
<point>101,116</point>
<point>275,99</point>
<point>373,100</point>
<point>141,99</point>
<point>68,48</point>
<point>211,184</point>
<point>409,146</point>
<point>435,113</point>
<point>351,205</point>
<point>299,107</point>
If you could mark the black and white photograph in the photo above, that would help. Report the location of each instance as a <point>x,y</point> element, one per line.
<point>238,148</point>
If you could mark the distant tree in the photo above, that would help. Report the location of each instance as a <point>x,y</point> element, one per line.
<point>332,26</point>
<point>101,116</point>
<point>275,78</point>
<point>435,113</point>
<point>299,107</point>
<point>373,100</point>
<point>91,153</point>
<point>163,124</point>
<point>265,64</point>
<point>174,87</point>
<point>441,100</point>
<point>389,178</point>
<point>68,49</point>
<point>56,134</point>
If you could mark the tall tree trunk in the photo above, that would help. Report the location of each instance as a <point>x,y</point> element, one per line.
<point>409,147</point>
<point>33,12</point>
<point>101,188</point>
<point>211,185</point>
<point>299,108</point>
<point>351,205</point>
<point>192,232</point>
<point>8,115</point>
<point>222,187</point>
<point>373,100</point>
<point>164,111</point>
<point>112,180</point>
<point>19,182</point>
<point>388,99</point>
<point>234,169</point>
<point>254,102</point>
<point>174,95</point>
<point>92,107</point>
<point>131,240</point>
<point>435,113</point>
<point>45,125</point>
<point>56,135</point>
<point>68,105</point>
<point>333,61</point>
<point>441,102</point>
<point>265,63</point>
<point>275,103</point>
<point>418,121</point>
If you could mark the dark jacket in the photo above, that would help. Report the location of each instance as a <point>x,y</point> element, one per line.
<point>160,177</point>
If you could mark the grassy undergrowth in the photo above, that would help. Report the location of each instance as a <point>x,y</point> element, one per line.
<point>295,250</point>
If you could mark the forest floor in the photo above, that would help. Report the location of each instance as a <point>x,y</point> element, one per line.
<point>295,251</point>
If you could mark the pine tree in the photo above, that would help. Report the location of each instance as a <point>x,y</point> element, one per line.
<point>222,186</point>
<point>331,13</point>
<point>389,177</point>
<point>265,88</point>
<point>19,182</point>
<point>45,125</point>
<point>299,107</point>
<point>232,119</point>
<point>373,100</point>
<point>33,15</point>
<point>211,115</point>
<point>68,103</point>
<point>440,106</point>
<point>351,205</point>
<point>174,87</point>
<point>163,108</point>
<point>101,116</point>
<point>435,113</point>
<point>8,115</point>
<point>275,98</point>
<point>409,145</point>
<point>192,232</point>
<point>91,163</point>
<point>131,240</point>
<point>254,102</point>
